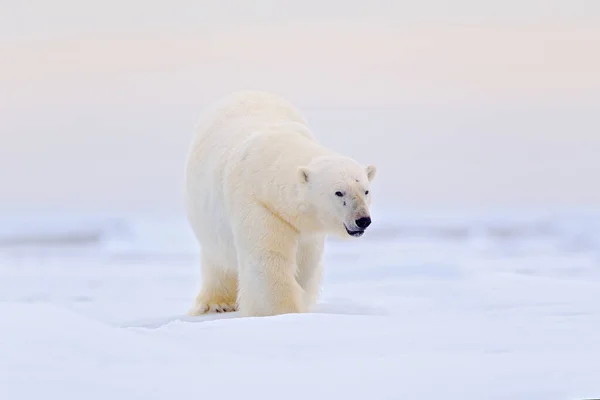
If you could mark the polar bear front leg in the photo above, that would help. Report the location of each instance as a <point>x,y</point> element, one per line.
<point>310,267</point>
<point>266,248</point>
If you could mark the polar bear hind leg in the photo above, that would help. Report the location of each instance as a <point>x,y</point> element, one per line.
<point>219,289</point>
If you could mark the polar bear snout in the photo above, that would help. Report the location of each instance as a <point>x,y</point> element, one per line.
<point>363,222</point>
<point>359,226</point>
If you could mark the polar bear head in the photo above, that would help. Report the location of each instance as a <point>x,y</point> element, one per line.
<point>337,191</point>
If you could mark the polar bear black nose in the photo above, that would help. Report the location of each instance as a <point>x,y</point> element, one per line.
<point>363,222</point>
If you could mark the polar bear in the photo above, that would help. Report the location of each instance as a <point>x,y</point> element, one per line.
<point>261,195</point>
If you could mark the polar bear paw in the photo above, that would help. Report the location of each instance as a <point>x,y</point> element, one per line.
<point>209,307</point>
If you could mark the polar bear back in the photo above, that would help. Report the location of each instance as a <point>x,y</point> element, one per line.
<point>248,108</point>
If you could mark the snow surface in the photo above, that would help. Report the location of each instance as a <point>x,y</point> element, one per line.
<point>451,307</point>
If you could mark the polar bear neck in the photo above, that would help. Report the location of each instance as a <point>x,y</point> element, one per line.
<point>282,183</point>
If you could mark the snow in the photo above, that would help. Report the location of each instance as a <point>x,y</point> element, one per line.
<point>453,307</point>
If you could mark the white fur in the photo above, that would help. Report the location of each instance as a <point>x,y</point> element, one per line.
<point>260,198</point>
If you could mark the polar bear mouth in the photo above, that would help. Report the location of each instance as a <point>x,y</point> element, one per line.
<point>354,233</point>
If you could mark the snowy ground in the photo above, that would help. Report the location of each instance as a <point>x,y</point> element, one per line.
<point>460,307</point>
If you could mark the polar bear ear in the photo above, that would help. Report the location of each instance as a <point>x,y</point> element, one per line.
<point>371,171</point>
<point>303,173</point>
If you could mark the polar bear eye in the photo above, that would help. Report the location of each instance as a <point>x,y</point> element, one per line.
<point>366,192</point>
<point>339,194</point>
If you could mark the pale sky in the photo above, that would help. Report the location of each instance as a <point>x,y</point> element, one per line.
<point>477,104</point>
